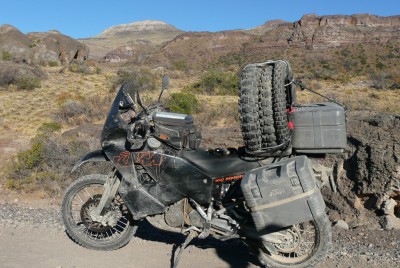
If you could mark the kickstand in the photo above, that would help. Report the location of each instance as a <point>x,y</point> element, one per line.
<point>188,239</point>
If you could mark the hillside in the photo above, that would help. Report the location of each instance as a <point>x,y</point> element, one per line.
<point>148,33</point>
<point>327,47</point>
<point>40,48</point>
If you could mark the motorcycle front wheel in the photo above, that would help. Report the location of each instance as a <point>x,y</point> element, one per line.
<point>80,198</point>
<point>306,245</point>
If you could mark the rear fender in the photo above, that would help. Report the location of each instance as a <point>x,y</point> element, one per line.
<point>95,156</point>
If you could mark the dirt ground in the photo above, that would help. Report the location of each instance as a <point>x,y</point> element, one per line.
<point>32,235</point>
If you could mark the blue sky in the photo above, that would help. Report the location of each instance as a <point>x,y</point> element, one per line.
<point>85,18</point>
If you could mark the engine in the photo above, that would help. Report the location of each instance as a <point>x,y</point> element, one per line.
<point>183,215</point>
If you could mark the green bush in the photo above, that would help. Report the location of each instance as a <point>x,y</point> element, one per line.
<point>230,59</point>
<point>136,79</point>
<point>28,83</point>
<point>216,83</point>
<point>32,157</point>
<point>52,63</point>
<point>78,67</point>
<point>184,103</point>
<point>6,56</point>
<point>49,127</point>
<point>180,66</point>
<point>47,164</point>
<point>380,65</point>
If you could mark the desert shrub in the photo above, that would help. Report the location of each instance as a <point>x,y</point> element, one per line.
<point>64,96</point>
<point>185,103</point>
<point>52,63</point>
<point>230,59</point>
<point>136,79</point>
<point>380,65</point>
<point>216,83</point>
<point>49,127</point>
<point>345,52</point>
<point>46,165</point>
<point>6,56</point>
<point>28,83</point>
<point>32,157</point>
<point>76,109</point>
<point>79,67</point>
<point>379,80</point>
<point>21,75</point>
<point>72,108</point>
<point>180,66</point>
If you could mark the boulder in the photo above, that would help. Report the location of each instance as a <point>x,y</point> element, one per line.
<point>40,48</point>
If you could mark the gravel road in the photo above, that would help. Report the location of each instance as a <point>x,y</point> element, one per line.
<point>32,236</point>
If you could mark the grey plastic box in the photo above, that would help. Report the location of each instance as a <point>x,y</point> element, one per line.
<point>319,128</point>
<point>282,194</point>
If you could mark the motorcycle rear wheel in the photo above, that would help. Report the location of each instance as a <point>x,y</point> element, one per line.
<point>307,247</point>
<point>83,196</point>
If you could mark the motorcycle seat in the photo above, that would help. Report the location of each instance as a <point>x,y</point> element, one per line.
<point>219,165</point>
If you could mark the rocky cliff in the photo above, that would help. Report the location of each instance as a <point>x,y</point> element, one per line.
<point>313,31</point>
<point>40,48</point>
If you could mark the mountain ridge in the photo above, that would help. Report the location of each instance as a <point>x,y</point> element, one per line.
<point>139,26</point>
<point>142,39</point>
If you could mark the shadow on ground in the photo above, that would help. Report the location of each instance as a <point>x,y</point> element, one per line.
<point>234,252</point>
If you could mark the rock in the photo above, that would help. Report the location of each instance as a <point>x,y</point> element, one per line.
<point>40,48</point>
<point>388,207</point>
<point>15,43</point>
<point>371,179</point>
<point>342,225</point>
<point>319,32</point>
<point>54,46</point>
<point>391,223</point>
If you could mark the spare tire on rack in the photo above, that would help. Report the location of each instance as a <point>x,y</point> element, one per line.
<point>266,94</point>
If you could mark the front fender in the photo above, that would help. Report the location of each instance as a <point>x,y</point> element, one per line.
<point>91,157</point>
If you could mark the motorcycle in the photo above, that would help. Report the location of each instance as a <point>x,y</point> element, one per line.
<point>162,175</point>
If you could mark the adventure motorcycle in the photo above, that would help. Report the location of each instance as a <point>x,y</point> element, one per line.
<point>162,175</point>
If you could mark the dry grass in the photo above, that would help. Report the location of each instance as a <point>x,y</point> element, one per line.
<point>356,95</point>
<point>25,111</point>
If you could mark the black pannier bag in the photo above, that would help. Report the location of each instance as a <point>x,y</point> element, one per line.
<point>282,194</point>
<point>176,130</point>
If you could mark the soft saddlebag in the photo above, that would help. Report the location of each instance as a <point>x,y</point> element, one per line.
<point>176,130</point>
<point>282,194</point>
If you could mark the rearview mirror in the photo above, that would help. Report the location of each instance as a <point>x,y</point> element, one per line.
<point>165,85</point>
<point>165,82</point>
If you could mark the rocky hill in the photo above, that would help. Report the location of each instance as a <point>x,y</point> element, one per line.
<point>40,48</point>
<point>141,27</point>
<point>313,31</point>
<point>311,36</point>
<point>156,42</point>
<point>149,33</point>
